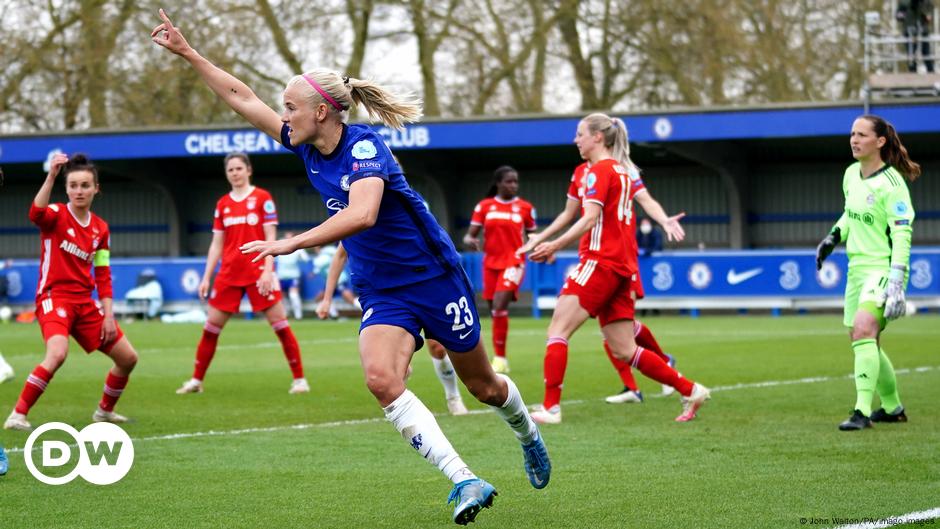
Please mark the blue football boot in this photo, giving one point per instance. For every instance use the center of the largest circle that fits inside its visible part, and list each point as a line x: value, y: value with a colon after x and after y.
x: 470, y: 497
x: 537, y: 465
x: 4, y: 464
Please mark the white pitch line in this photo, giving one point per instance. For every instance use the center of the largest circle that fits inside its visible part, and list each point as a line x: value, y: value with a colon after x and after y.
x: 890, y: 521
x: 373, y: 420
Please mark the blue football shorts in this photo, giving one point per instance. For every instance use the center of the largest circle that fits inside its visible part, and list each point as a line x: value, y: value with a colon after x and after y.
x: 443, y: 306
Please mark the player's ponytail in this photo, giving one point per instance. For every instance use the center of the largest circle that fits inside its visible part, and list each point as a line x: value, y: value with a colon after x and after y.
x: 893, y: 152
x: 80, y: 162
x: 498, y: 176
x: 616, y: 138
x: 342, y: 93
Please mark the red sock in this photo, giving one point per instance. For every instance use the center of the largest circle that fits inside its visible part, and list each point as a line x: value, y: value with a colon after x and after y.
x: 556, y: 360
x: 113, y: 387
x: 623, y: 369
x: 206, y: 349
x: 500, y: 330
x: 290, y: 346
x: 644, y: 338
x: 35, y: 384
x: 657, y: 369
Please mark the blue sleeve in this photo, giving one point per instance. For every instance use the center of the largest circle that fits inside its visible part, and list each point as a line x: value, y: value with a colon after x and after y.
x: 285, y: 140
x: 368, y: 158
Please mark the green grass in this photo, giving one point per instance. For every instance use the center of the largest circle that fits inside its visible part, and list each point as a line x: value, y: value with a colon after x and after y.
x: 757, y: 456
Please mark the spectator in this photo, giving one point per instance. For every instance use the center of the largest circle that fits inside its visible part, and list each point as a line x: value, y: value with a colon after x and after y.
x: 915, y: 17
x: 289, y: 273
x: 648, y: 238
x: 147, y: 296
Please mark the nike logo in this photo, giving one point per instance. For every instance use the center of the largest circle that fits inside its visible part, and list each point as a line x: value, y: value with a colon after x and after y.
x: 462, y: 336
x: 734, y: 277
x: 314, y: 172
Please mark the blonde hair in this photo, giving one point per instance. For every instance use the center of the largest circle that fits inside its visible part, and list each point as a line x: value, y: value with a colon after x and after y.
x: 616, y: 138
x: 391, y: 109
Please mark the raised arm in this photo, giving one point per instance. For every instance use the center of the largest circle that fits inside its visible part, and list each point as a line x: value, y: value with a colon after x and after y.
x: 45, y: 191
x: 235, y: 93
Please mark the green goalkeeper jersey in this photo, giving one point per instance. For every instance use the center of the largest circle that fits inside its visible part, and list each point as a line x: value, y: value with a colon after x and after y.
x: 876, y: 223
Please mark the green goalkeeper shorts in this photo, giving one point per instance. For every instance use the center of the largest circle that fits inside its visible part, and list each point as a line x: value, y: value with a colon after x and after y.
x: 865, y: 290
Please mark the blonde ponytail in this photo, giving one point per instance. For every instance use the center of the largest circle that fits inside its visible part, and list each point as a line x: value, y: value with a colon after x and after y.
x: 342, y: 93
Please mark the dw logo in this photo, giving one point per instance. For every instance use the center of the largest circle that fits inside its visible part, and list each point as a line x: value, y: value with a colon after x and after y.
x: 105, y: 454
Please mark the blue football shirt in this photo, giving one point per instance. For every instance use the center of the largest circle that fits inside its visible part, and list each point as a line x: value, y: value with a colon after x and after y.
x: 406, y: 245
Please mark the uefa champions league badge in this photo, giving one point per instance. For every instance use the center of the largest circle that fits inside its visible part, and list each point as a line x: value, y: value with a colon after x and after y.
x: 900, y: 208
x: 591, y: 179
x: 364, y: 150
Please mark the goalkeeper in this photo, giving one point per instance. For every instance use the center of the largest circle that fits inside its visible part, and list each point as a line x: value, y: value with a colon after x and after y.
x: 876, y: 228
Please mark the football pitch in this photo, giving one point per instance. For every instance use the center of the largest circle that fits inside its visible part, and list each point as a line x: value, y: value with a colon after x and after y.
x: 764, y: 452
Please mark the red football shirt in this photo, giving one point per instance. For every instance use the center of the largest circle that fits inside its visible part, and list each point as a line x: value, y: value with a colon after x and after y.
x: 503, y: 225
x: 242, y: 221
x: 68, y: 252
x: 612, y: 241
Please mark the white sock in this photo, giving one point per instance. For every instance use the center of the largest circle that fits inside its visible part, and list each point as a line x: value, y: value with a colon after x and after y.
x: 418, y: 427
x: 445, y: 373
x: 295, y: 304
x: 514, y: 412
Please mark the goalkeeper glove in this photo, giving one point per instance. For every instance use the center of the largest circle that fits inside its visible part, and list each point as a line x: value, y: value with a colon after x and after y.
x: 826, y: 246
x: 895, y: 306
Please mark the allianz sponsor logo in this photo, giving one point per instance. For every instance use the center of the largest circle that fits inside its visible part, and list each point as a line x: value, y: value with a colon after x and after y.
x: 504, y: 215
x: 867, y: 218
x: 226, y: 142
x: 72, y: 248
x: 417, y: 136
x: 250, y: 219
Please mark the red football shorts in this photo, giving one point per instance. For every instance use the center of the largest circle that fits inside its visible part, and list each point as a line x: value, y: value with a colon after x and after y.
x: 638, y: 286
x: 81, y: 318
x: 605, y: 294
x: 227, y: 298
x: 502, y: 280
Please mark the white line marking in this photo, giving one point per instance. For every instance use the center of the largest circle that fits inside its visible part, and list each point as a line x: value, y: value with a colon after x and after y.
x: 352, y: 422
x: 889, y: 521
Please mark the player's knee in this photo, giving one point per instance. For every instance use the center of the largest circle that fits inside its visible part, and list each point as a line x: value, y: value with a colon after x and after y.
x: 865, y: 328
x: 863, y: 332
x: 129, y: 360
x: 437, y: 350
x: 622, y: 354
x: 381, y: 383
x: 55, y: 357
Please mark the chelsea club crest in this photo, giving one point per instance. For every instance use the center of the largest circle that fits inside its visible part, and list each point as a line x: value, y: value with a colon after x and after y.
x: 344, y: 182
